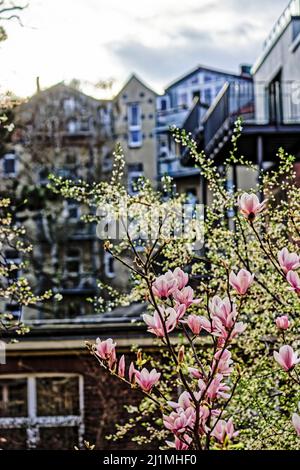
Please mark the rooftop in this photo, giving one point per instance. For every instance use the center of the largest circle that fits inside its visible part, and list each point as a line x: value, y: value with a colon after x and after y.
x: 292, y: 10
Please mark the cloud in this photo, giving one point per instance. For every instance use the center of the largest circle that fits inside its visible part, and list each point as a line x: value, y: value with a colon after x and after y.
x: 163, y: 64
x: 217, y: 34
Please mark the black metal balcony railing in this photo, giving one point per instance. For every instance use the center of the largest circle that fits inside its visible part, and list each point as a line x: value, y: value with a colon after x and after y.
x: 277, y: 103
x: 234, y: 100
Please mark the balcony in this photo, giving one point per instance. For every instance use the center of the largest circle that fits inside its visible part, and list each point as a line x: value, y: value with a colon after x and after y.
x: 270, y: 111
x: 171, y: 117
x: 275, y: 106
x: 172, y: 166
x: 234, y: 100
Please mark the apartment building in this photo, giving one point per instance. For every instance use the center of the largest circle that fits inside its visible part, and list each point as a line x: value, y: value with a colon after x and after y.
x: 62, y: 131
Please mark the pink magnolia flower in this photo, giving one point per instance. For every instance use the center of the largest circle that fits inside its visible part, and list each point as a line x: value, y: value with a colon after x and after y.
x: 106, y: 350
x: 131, y: 372
x: 179, y: 421
x: 184, y: 401
x: 241, y: 281
x: 180, y: 444
x: 239, y: 328
x: 296, y: 423
x: 146, y: 380
x: 195, y: 373
x: 185, y: 296
x: 215, y: 389
x: 250, y: 206
x: 224, y: 428
x: 223, y: 362
x: 180, y: 310
x: 293, y: 279
x: 155, y: 324
x: 223, y: 310
x: 164, y: 285
x: 286, y: 357
x: 282, y: 322
x: 181, y: 277
x: 195, y: 323
x: 121, y: 366
x: 288, y: 261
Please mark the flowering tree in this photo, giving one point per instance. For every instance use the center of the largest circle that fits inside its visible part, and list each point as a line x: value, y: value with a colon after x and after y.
x: 14, y: 289
x: 216, y: 384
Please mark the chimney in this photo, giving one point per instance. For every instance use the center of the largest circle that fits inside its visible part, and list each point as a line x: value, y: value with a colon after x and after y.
x: 245, y: 70
x: 38, y: 88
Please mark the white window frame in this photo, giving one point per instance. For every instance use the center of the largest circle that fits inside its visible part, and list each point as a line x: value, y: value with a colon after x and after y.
x: 32, y: 423
x: 134, y: 127
x: 10, y: 156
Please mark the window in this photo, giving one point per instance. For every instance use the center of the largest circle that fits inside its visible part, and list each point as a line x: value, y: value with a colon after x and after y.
x: 9, y: 165
x: 163, y: 105
x: 72, y: 126
x: 163, y: 150
x: 134, y: 125
x: 134, y: 115
x: 43, y: 176
x: 109, y: 268
x: 41, y: 411
x: 135, y: 138
x: 69, y: 105
x: 207, y: 78
x: 86, y: 125
x: 207, y: 96
x: 73, y: 210
x: 135, y: 172
x: 71, y: 160
x: 73, y: 261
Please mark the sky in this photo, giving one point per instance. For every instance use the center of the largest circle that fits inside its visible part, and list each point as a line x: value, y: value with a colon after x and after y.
x: 159, y: 40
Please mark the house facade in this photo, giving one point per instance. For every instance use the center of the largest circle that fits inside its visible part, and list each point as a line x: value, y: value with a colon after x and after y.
x: 134, y: 112
x: 184, y: 105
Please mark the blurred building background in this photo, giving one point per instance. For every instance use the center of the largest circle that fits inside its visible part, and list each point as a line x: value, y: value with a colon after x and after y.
x: 51, y: 392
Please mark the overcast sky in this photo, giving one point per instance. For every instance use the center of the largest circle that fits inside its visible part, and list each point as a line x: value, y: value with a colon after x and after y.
x: 158, y: 39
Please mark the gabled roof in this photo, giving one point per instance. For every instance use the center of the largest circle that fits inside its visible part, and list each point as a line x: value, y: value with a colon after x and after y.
x: 59, y: 86
x: 133, y: 76
x: 203, y: 68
